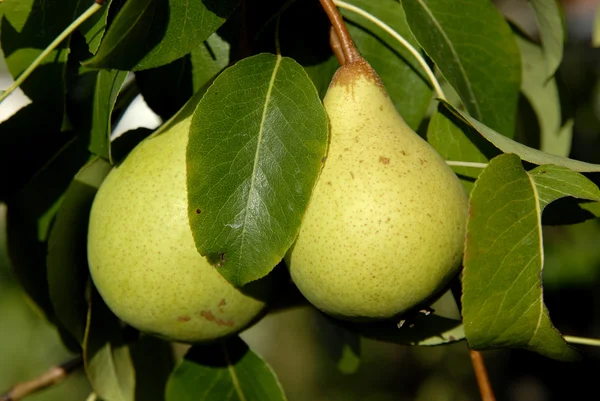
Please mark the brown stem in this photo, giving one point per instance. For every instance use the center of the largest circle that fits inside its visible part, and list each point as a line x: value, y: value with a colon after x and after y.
x: 485, y: 388
x: 348, y: 49
x: 336, y: 46
x: 53, y: 376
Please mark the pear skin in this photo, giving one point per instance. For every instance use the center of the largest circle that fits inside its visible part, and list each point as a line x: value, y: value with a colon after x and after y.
x: 385, y: 227
x: 142, y: 256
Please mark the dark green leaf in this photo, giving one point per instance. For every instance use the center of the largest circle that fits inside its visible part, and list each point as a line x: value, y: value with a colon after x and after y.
x: 526, y: 153
x: 107, y: 358
x: 342, y: 345
x: 457, y: 141
x: 67, y: 268
x: 167, y: 88
x: 542, y: 94
x: 29, y: 217
x: 91, y: 102
x: 255, y: 150
x: 151, y: 33
x: 476, y: 54
x: 502, y: 299
x: 442, y: 326
x: 548, y: 15
x: 223, y: 371
x: 17, y: 135
x: 427, y: 330
x: 154, y: 361
x: 403, y: 77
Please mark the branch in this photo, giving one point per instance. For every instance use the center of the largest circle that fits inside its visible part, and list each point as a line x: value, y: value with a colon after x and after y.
x: 485, y: 388
x: 53, y: 376
x: 57, y: 41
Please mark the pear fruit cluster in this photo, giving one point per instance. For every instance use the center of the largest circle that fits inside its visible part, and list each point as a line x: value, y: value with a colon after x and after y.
x: 142, y: 256
x: 385, y: 227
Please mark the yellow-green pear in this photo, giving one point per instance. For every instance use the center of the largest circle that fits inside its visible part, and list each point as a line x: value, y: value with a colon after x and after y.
x: 142, y: 256
x: 385, y: 226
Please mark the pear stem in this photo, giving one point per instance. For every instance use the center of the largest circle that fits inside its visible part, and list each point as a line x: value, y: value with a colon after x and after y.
x: 434, y: 82
x: 336, y: 46
x: 466, y: 164
x: 74, y: 25
x: 348, y: 48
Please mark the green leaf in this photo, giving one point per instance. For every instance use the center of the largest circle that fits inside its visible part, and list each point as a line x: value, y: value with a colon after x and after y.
x: 548, y: 15
x: 28, y: 27
x: 342, y: 345
x: 151, y: 33
x: 91, y: 105
x: 256, y: 145
x: 403, y: 77
x: 67, y: 268
x: 526, y: 153
x: 106, y: 356
x: 227, y: 370
x: 154, y: 361
x: 502, y: 299
x: 542, y: 94
x: 167, y: 88
x: 476, y: 54
x: 456, y: 140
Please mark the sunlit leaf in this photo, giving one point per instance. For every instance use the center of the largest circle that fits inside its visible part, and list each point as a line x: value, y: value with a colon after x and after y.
x: 503, y: 300
x: 255, y: 150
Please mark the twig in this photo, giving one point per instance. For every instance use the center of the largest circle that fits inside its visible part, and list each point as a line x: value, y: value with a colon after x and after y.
x: 350, y: 52
x: 74, y: 25
x: 434, y: 82
x: 485, y: 388
x: 583, y: 340
x: 53, y: 376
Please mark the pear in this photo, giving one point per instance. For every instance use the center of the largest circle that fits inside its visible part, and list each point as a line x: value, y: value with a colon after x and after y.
x: 385, y: 227
x: 142, y: 256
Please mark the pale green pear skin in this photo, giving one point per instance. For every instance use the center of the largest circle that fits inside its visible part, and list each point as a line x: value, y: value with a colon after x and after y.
x: 385, y: 226
x: 142, y: 255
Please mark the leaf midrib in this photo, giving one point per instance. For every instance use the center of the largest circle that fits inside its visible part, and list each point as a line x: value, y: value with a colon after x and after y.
x: 256, y: 158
